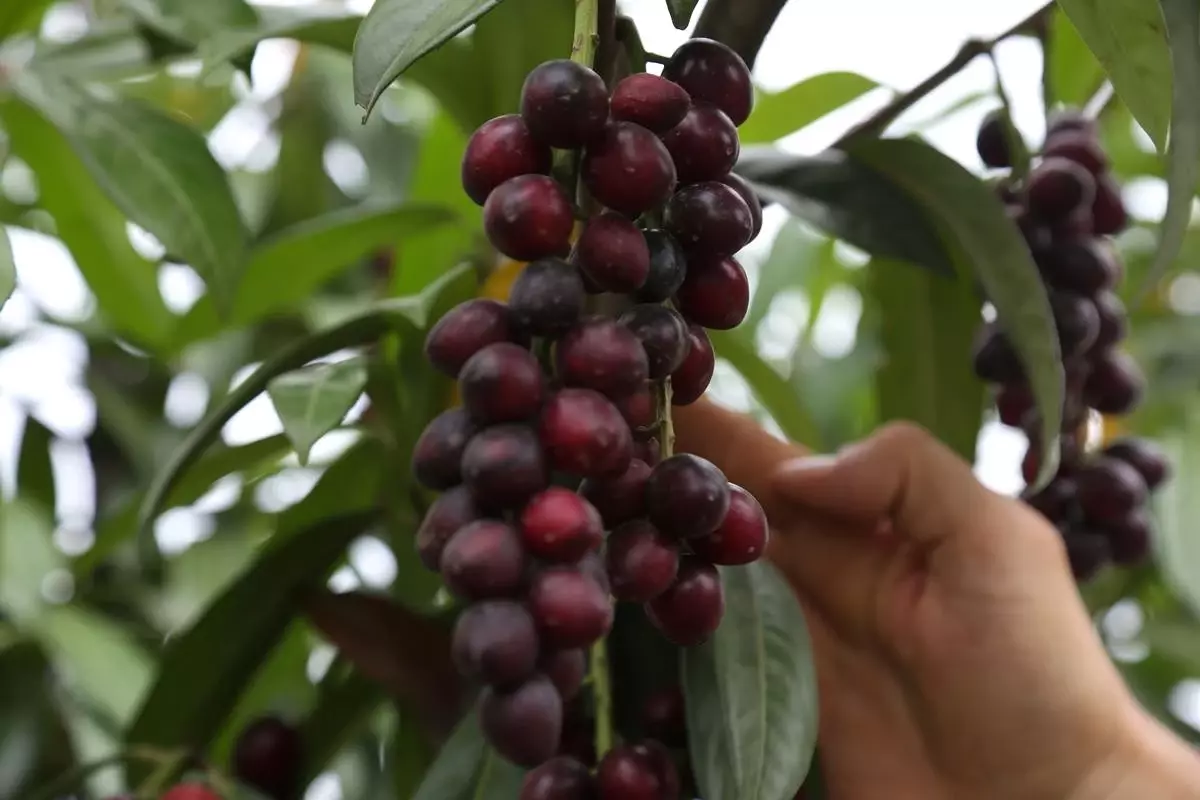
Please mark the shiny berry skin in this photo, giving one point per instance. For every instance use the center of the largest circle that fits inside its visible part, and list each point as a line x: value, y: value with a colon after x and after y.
x: 714, y: 74
x: 561, y: 778
x: 268, y: 757
x: 639, y: 408
x: 1087, y: 551
x: 641, y: 560
x: 1109, y: 489
x: 503, y: 382
x: 465, y: 330
x: 1084, y: 265
x: 190, y: 791
x: 708, y: 219
x: 603, y: 355
x: 523, y: 724
x: 628, y: 170
x: 715, y: 294
x: 566, y: 669
x: 1129, y: 539
x: 627, y: 774
x: 437, y: 455
x: 621, y: 498
x: 1109, y: 216
x: 651, y: 101
x: 704, y: 145
x: 495, y: 641
x: 664, y: 718
x: 1014, y: 402
x: 502, y: 148
x: 1077, y: 321
x: 565, y: 104
x: 485, y: 559
x: 1113, y: 321
x: 559, y: 525
x: 690, y: 611
x: 1144, y: 456
x: 613, y: 253
x: 1059, y: 188
x: 663, y: 335
x: 995, y: 360
x: 570, y: 607
x: 503, y: 466
x: 548, y: 297
x: 1116, y: 383
x: 747, y: 193
x: 741, y: 537
x: 529, y: 217
x: 992, y: 141
x: 687, y: 496
x: 667, y: 269
x: 452, y: 510
x: 691, y: 379
x: 1080, y: 147
x: 583, y: 434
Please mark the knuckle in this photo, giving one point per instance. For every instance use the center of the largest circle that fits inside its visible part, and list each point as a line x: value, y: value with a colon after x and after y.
x: 903, y: 434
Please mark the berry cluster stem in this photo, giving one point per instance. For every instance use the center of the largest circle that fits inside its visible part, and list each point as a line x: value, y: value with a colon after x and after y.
x: 587, y: 32
x: 602, y: 695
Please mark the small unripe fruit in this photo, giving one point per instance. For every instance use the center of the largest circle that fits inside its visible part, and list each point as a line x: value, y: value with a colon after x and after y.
x: 709, y: 219
x: 565, y: 104
x: 495, y: 641
x: 483, y: 560
x: 465, y: 330
x: 529, y: 217
x: 523, y: 724
x: 651, y: 101
x: 741, y: 537
x: 713, y: 73
x: 628, y: 170
x: 687, y: 496
x: 613, y: 253
x: 715, y: 294
x: 558, y: 525
x: 548, y: 297
x: 704, y: 145
x: 691, y: 379
x: 502, y: 383
x: 502, y: 148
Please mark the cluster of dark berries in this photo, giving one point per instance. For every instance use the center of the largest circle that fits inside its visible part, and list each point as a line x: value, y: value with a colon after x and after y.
x: 554, y: 498
x: 1066, y: 209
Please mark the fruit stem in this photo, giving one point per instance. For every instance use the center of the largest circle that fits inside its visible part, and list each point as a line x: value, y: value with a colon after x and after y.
x: 666, y: 443
x: 1018, y: 152
x: 587, y: 32
x: 602, y: 695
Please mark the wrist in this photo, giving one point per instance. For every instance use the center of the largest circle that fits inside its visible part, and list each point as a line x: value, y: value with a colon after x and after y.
x: 1152, y: 762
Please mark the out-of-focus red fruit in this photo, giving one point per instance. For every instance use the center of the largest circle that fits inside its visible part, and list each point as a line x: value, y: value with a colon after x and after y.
x: 1059, y: 188
x: 691, y: 379
x: 1109, y: 216
x: 559, y: 525
x: 642, y: 561
x: 523, y: 724
x: 1144, y: 456
x: 711, y: 72
x: 651, y: 101
x: 437, y: 455
x: 496, y: 642
x: 715, y: 294
x: 484, y: 559
x: 1129, y: 539
x: 1080, y: 147
x: 1110, y: 489
x: 452, y: 510
x: 268, y: 756
x: 583, y: 434
x: 565, y: 104
x: 529, y: 217
x: 502, y: 148
x: 629, y: 170
x: 1113, y: 321
x: 628, y: 772
x: 1014, y: 401
x: 561, y: 778
x: 690, y: 611
x: 741, y: 537
x: 190, y: 791
x: 663, y: 717
x: 648, y: 450
x: 613, y: 253
x: 570, y: 608
x: 1116, y: 383
x: 1087, y: 550
x: 566, y: 669
x: 465, y: 330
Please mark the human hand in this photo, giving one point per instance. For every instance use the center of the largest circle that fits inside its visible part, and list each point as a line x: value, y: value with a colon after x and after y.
x: 954, y: 656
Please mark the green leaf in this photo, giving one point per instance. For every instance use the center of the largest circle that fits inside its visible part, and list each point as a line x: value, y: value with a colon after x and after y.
x: 205, y: 668
x: 190, y: 21
x: 344, y: 704
x: 467, y: 769
x: 983, y: 240
x: 8, y: 268
x: 313, y: 400
x: 409, y: 756
x: 515, y: 38
x: 27, y: 556
x: 752, y: 692
x: 21, y: 16
x: 396, y: 33
x: 1129, y: 38
x: 35, y: 747
x: 927, y: 324
x: 1074, y: 74
x: 1177, y: 505
x: 35, y: 473
x: 155, y: 169
x: 777, y: 114
x: 681, y: 12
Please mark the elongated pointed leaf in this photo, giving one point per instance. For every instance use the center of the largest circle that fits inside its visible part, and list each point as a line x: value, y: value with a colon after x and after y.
x: 681, y: 12
x: 345, y: 700
x: 1074, y: 74
x: 777, y: 114
x: 313, y: 400
x: 752, y: 692
x: 467, y: 769
x: 1177, y: 505
x: 8, y: 268
x: 190, y: 21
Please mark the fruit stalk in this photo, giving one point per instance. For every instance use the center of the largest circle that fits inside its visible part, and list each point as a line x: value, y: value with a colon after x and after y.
x: 587, y: 32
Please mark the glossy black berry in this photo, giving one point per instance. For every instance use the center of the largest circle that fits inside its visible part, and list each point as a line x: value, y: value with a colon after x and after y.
x: 709, y: 219
x: 547, y: 297
x: 992, y: 141
x: 663, y: 335
x: 437, y: 455
x: 687, y: 496
x: 713, y: 73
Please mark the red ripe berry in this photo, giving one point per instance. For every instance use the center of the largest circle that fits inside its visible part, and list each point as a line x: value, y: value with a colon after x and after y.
x: 548, y: 297
x: 190, y: 791
x: 1080, y: 264
x: 1059, y: 188
x: 640, y: 409
x: 565, y: 104
x: 1129, y: 539
x: 663, y: 335
x: 622, y: 498
x: 559, y: 525
x: 1068, y: 119
x: 268, y: 757
x: 583, y: 434
x: 437, y: 455
x: 1077, y: 321
x: 747, y: 193
x: 465, y: 330
x: 741, y: 537
x: 709, y: 219
x: 613, y: 253
x: 529, y: 217
x: 992, y: 141
x: 495, y: 641
x: 687, y: 496
x: 1088, y: 552
x: 1116, y: 383
x: 603, y: 355
x: 502, y: 148
x: 1108, y: 209
x: 1014, y: 401
x: 663, y: 717
x: 668, y: 267
x: 503, y: 466
x: 653, y: 102
x: 704, y: 146
x: 641, y: 560
x: 484, y: 559
x: 570, y: 607
x: 1113, y: 321
x: 1144, y: 456
x: 1109, y: 490
x: 629, y: 170
x: 561, y: 778
x: 523, y: 724
x: 1080, y: 147
x: 637, y: 772
x: 690, y: 611
x: 715, y: 74
x: 566, y: 669
x: 716, y: 293
x: 452, y: 510
x: 691, y: 379
x: 503, y: 382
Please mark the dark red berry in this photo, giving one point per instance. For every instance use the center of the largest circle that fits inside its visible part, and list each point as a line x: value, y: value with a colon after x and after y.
x: 741, y: 537
x: 437, y: 455
x: 715, y: 74
x: 992, y: 141
x: 503, y: 466
x: 570, y: 607
x: 995, y: 359
x: 1113, y: 321
x: 648, y: 451
x: 583, y: 434
x: 1108, y: 209
x: 495, y: 641
x: 663, y: 764
x: 622, y: 498
x: 1077, y: 321
x: 642, y: 561
x: 1059, y: 188
x: 1116, y: 383
x: 1038, y: 235
x: 716, y: 293
x: 1088, y: 552
x: 1083, y: 264
x: 484, y: 559
x: 547, y: 297
x: 566, y: 669
x: 1109, y: 490
x: 450, y: 511
x: 640, y: 409
x: 663, y: 717
x: 691, y: 609
x: 668, y: 267
x: 190, y: 791
x: 561, y: 778
x: 502, y: 148
x: 1080, y: 147
x: 613, y: 253
x: 1068, y: 119
x: 503, y: 382
x: 1129, y: 539
x: 689, y: 382
x: 268, y: 757
x: 559, y: 525
x: 629, y: 170
x: 663, y: 335
x: 1014, y: 402
x: 523, y: 724
x: 603, y: 355
x: 1056, y: 500
x: 1144, y: 456
x: 704, y: 145
x: 687, y: 496
x: 747, y: 193
x: 529, y: 217
x: 651, y: 101
x: 709, y: 219
x: 626, y: 774
x: 465, y: 330
x: 565, y: 104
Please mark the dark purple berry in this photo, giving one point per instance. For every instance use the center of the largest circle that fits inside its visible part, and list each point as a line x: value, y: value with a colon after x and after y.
x: 613, y: 253
x: 559, y: 525
x: 690, y: 611
x: 629, y: 170
x: 485, y: 559
x: 747, y: 193
x: 691, y: 379
x: 715, y: 74
x: 1129, y: 539
x: 502, y: 148
x: 583, y: 434
x: 495, y: 641
x: 465, y: 330
x: 1068, y: 119
x: 663, y: 717
x: 529, y: 217
x: 1059, y: 188
x: 561, y: 778
x: 709, y: 219
x: 992, y: 141
x: 741, y: 538
x: 1116, y: 383
x: 437, y: 455
x: 1144, y: 456
x: 1080, y: 147
x: 1109, y: 216
x: 715, y: 294
x: 1088, y: 552
x: 1014, y: 402
x: 1113, y: 321
x: 566, y: 669
x: 1109, y: 490
x: 663, y: 335
x: 523, y: 724
x: 1083, y: 265
x: 1077, y: 321
x: 668, y: 267
x: 1055, y: 501
x: 622, y: 498
x: 452, y: 510
x: 547, y: 297
x: 268, y: 756
x: 704, y: 145
x: 503, y: 466
x: 570, y: 607
x: 995, y: 359
x: 565, y: 104
x: 642, y: 561
x: 603, y: 355
x: 687, y: 496
x: 503, y: 382
x: 651, y: 101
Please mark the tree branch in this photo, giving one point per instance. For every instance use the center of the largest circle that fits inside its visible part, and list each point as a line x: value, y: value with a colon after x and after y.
x: 741, y: 24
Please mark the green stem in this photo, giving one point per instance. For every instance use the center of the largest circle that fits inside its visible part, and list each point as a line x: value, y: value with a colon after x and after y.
x: 587, y: 32
x: 602, y: 694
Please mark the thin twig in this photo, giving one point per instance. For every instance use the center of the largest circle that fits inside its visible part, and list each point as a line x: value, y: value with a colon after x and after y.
x: 741, y: 24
